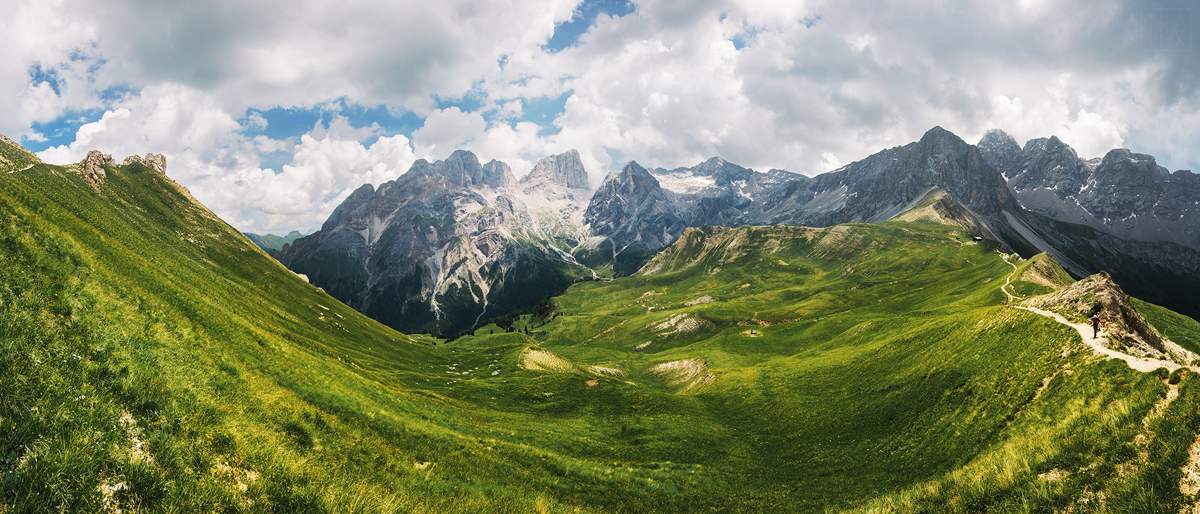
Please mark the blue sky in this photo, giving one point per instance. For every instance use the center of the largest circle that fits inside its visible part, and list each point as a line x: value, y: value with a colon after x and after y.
x: 271, y: 112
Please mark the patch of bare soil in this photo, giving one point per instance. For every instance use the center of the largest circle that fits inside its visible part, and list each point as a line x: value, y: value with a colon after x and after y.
x: 689, y: 373
x: 680, y: 324
x: 541, y: 360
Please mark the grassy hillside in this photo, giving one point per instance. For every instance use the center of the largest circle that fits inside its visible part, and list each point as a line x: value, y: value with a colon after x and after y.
x: 272, y: 241
x: 864, y: 367
x: 152, y: 358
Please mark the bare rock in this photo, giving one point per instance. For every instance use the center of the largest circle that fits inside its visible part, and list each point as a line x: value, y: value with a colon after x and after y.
x: 1099, y: 295
x: 154, y: 161
x: 93, y: 166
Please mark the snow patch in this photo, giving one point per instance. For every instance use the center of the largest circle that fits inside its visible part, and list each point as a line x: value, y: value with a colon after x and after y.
x: 684, y: 183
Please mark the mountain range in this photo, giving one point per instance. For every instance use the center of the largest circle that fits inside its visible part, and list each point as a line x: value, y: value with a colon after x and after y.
x: 451, y: 243
x: 153, y: 359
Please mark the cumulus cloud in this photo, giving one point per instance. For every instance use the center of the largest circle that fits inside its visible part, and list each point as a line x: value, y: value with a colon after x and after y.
x: 328, y: 165
x: 207, y: 152
x: 803, y: 85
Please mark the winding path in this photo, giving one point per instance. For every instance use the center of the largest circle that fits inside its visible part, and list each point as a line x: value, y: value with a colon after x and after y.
x: 1097, y: 343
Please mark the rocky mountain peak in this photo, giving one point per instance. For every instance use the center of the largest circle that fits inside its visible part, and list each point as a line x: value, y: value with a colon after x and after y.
x: 1134, y: 164
x: 634, y: 178
x: 499, y: 174
x: 939, y: 135
x: 997, y: 138
x: 463, y: 168
x: 631, y: 207
x: 1000, y: 150
x: 712, y: 165
x: 1051, y: 145
x: 353, y: 207
x: 724, y: 172
x: 942, y: 159
x: 564, y: 169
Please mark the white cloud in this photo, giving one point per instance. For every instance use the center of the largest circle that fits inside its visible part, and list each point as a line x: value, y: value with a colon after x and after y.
x: 817, y: 84
x: 446, y: 130
x: 324, y: 170
x: 33, y: 33
x: 207, y: 153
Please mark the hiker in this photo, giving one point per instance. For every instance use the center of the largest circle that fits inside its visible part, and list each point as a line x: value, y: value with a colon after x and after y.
x: 1095, y: 319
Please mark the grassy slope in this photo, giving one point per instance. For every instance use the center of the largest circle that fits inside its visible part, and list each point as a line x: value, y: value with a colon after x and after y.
x: 136, y: 301
x: 884, y: 367
x: 272, y: 241
x: 1174, y: 326
x: 144, y: 342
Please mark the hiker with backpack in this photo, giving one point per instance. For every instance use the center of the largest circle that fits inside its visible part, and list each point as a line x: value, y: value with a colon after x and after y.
x: 1095, y: 319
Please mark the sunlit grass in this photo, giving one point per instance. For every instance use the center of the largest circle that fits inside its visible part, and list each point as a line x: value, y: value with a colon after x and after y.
x: 152, y: 358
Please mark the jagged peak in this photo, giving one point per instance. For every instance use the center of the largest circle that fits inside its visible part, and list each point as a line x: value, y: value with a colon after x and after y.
x: 565, y: 169
x: 939, y: 137
x: 995, y: 132
x: 463, y: 155
x: 1121, y: 154
x: 1048, y: 144
x: 633, y: 177
x: 939, y: 133
x: 632, y: 167
x: 998, y: 138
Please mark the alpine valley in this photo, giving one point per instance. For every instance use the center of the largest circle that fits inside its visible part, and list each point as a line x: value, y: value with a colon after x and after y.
x: 885, y: 341
x: 452, y: 243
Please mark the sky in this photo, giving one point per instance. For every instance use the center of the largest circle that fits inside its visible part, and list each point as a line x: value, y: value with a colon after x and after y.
x: 271, y: 112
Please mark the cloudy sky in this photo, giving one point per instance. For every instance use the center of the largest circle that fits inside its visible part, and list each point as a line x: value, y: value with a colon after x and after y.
x: 272, y: 111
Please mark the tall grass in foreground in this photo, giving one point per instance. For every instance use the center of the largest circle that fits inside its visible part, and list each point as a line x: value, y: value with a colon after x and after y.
x: 152, y: 359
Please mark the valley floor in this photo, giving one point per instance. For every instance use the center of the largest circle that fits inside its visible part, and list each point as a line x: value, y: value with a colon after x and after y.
x: 152, y: 359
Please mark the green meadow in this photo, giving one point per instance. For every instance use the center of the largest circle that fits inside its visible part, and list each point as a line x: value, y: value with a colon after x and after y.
x: 154, y: 359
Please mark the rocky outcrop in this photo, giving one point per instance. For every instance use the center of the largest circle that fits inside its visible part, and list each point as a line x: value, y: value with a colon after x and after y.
x: 154, y: 161
x: 93, y: 166
x: 1098, y: 295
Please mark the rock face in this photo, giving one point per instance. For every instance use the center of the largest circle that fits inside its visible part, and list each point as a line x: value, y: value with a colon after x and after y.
x: 887, y: 183
x: 1099, y: 295
x: 1124, y: 193
x: 453, y: 242
x: 446, y: 244
x: 633, y: 211
x: 154, y: 161
x: 565, y: 169
x: 93, y: 166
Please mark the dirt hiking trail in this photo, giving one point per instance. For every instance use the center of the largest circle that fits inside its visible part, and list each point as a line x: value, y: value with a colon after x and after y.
x: 1142, y: 364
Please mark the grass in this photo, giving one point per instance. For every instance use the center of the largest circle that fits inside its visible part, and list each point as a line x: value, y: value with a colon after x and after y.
x: 152, y: 358
x: 1181, y: 329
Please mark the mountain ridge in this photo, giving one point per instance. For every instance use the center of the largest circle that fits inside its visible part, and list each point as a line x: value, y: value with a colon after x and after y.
x: 155, y: 359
